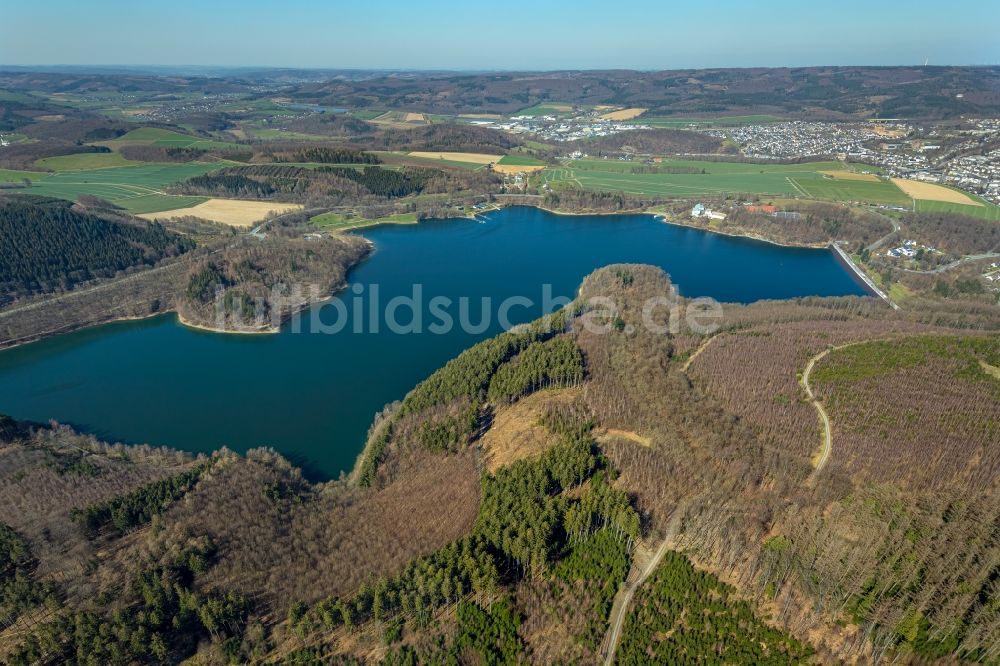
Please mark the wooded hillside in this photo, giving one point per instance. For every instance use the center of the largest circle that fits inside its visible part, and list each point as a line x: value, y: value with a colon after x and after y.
x: 499, y: 507
x: 49, y: 245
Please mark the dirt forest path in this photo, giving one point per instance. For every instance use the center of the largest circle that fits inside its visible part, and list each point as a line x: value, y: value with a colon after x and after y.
x: 644, y: 563
x: 827, y: 444
x: 700, y: 349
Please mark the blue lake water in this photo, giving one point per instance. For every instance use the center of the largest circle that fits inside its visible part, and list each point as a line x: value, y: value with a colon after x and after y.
x: 312, y: 396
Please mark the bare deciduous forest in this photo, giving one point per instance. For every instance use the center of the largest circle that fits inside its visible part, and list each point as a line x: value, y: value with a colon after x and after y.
x: 506, y: 495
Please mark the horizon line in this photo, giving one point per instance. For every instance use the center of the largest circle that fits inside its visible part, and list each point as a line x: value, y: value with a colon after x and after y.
x: 322, y: 68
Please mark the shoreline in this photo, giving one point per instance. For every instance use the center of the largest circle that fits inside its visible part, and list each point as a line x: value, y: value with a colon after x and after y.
x: 73, y: 328
x: 848, y: 263
x: 663, y: 218
x: 748, y: 236
x: 372, y: 248
x: 270, y: 330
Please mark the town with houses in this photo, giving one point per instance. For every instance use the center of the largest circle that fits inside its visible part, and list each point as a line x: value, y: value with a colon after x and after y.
x: 967, y: 157
x: 552, y: 128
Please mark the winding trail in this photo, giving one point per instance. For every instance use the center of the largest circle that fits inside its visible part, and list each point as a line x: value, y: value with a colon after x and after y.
x: 827, y: 445
x: 636, y: 577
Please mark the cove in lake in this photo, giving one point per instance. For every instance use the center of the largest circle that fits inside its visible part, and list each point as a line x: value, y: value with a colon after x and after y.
x: 313, y: 396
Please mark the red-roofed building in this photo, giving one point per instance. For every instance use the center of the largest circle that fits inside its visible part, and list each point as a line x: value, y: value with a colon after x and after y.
x: 763, y: 208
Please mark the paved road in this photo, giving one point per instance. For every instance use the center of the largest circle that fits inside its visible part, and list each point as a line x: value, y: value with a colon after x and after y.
x: 885, y: 239
x: 954, y: 264
x: 619, y: 609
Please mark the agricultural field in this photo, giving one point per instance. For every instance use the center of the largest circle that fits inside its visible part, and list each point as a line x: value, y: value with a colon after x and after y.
x: 623, y: 114
x: 851, y: 175
x: 423, y: 158
x: 401, y: 119
x: 838, y: 189
x: 14, y: 176
x: 164, y: 138
x: 546, y: 109
x: 984, y: 211
x: 933, y: 192
x: 716, y: 178
x: 84, y: 161
x: 518, y: 164
x: 520, y: 160
x: 232, y: 212
x: 366, y: 114
x: 136, y: 188
x: 475, y: 158
x: 269, y: 133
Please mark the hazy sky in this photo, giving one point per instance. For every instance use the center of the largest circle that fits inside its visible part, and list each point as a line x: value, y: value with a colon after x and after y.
x: 514, y: 34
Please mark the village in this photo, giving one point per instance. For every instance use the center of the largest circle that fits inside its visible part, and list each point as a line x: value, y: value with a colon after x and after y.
x: 551, y: 128
x: 968, y: 158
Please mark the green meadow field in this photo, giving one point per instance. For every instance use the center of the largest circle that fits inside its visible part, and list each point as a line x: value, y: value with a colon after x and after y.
x: 716, y: 178
x: 520, y: 160
x: 84, y: 161
x: 881, y: 192
x: 13, y: 176
x: 341, y: 222
x: 987, y: 211
x: 164, y: 138
x: 398, y: 158
x: 136, y: 188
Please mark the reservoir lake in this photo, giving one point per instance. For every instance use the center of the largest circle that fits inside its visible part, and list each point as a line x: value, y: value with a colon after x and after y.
x: 312, y: 395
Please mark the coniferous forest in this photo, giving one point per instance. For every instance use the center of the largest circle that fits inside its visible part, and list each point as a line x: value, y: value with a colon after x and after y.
x: 49, y: 244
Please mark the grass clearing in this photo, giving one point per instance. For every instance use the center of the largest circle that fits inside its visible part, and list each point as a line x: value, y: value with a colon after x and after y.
x: 234, y: 212
x: 917, y: 189
x: 343, y: 222
x: 515, y: 433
